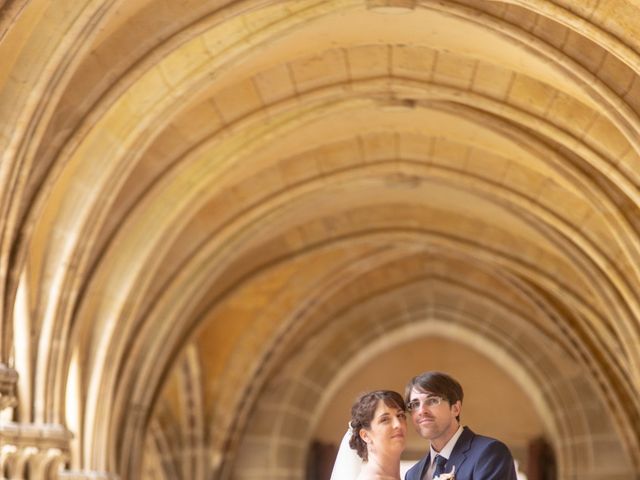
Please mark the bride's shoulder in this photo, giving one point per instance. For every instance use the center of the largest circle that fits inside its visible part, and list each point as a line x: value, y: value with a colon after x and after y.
x: 374, y: 476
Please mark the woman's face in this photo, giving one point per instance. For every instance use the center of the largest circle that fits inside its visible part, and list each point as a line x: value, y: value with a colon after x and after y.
x: 388, y: 430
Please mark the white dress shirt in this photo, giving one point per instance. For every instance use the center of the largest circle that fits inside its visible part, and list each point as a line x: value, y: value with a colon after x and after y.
x: 445, y: 452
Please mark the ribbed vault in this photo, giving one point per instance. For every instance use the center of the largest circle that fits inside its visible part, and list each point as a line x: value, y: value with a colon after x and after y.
x: 211, y: 210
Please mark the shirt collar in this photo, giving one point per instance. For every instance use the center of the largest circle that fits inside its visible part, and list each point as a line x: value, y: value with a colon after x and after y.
x: 448, y: 448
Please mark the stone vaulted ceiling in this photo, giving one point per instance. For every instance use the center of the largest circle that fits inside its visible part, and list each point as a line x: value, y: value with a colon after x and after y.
x: 208, y: 203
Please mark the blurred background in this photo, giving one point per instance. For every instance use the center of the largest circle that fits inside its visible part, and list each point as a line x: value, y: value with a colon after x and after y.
x: 222, y: 220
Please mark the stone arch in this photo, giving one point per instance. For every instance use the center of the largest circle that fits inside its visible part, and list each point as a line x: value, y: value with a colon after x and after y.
x: 193, y: 106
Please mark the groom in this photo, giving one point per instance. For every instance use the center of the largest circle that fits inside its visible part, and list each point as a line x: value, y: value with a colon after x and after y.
x: 434, y: 400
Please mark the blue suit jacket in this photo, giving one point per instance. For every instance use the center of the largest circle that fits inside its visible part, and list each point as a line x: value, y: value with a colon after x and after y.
x: 475, y: 457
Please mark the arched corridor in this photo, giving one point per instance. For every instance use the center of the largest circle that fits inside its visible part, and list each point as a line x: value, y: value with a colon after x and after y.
x: 216, y: 215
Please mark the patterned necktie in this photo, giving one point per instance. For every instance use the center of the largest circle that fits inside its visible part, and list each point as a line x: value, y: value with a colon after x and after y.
x: 439, y: 462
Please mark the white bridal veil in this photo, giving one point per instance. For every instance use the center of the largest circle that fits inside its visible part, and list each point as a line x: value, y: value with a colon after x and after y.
x: 348, y: 463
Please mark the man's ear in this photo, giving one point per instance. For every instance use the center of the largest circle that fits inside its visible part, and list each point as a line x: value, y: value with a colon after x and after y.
x: 456, y: 408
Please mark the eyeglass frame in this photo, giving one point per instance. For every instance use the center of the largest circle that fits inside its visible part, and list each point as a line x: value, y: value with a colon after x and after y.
x: 430, y: 402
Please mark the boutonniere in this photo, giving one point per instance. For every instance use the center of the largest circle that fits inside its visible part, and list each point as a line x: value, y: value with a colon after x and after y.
x: 447, y: 476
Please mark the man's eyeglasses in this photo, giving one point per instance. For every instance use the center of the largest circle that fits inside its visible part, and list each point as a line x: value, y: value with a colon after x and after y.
x: 428, y: 402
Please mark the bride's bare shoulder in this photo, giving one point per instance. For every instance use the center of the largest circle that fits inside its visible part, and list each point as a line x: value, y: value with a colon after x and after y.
x: 375, y: 476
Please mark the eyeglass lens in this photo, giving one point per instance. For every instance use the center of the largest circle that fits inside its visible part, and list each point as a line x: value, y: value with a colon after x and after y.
x: 429, y: 402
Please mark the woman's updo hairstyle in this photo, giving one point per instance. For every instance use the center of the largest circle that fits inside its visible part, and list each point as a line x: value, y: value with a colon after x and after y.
x: 362, y: 413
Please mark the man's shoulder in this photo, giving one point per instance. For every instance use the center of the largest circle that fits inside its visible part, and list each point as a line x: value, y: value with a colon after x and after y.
x: 477, y: 441
x: 483, y: 442
x: 491, y: 458
x: 414, y: 472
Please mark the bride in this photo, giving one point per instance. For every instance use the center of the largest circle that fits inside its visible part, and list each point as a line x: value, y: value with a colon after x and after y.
x: 377, y: 433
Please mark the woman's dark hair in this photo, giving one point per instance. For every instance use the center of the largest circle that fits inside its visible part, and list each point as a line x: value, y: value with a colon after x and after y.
x: 436, y: 383
x: 362, y: 413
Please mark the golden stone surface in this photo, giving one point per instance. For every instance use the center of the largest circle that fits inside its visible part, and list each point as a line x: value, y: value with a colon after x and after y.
x: 219, y: 219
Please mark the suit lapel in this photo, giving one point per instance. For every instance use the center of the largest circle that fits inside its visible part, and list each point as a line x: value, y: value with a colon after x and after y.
x: 424, y: 465
x: 459, y: 453
x: 419, y: 469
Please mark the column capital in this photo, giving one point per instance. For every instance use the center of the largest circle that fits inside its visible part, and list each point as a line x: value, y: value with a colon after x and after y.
x: 86, y: 475
x: 37, y: 462
x: 40, y: 436
x: 8, y: 382
x: 43, y: 449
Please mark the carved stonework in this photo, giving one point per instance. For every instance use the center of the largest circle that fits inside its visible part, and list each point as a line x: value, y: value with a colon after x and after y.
x: 391, y: 6
x: 39, y: 452
x: 33, y: 451
x: 87, y: 476
x: 8, y: 381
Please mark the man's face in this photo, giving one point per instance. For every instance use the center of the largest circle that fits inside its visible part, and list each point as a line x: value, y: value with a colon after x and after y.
x: 433, y: 417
